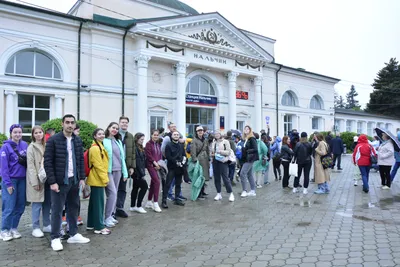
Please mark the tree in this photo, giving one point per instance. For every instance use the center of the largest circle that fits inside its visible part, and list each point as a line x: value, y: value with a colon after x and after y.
x: 351, y: 102
x: 385, y: 98
x: 339, y: 102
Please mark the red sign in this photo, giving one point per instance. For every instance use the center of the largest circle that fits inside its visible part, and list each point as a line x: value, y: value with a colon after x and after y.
x: 242, y: 95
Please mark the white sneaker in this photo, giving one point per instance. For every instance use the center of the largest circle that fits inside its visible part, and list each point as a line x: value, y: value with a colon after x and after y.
x: 47, y: 229
x: 56, y: 244
x: 79, y: 239
x: 15, y: 233
x: 109, y: 222
x: 140, y: 210
x: 295, y: 190
x: 305, y: 191
x: 114, y: 220
x: 385, y: 187
x: 6, y: 235
x: 132, y: 209
x: 37, y: 233
x: 149, y: 205
x: 259, y: 186
x: 244, y: 194
x: 252, y: 193
x: 355, y: 183
x: 156, y: 207
x: 218, y: 197
x: 231, y: 197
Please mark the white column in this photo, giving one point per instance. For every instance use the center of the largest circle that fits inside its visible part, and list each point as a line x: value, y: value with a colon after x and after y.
x: 231, y: 101
x: 59, y: 106
x: 9, y: 109
x: 257, y: 104
x: 141, y: 118
x: 180, y: 107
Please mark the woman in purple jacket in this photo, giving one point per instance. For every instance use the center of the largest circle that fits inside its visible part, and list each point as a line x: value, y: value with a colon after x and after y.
x: 13, y: 194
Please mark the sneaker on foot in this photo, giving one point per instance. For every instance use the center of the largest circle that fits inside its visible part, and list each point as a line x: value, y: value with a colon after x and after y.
x: 218, y: 197
x: 115, y: 221
x: 305, y: 191
x: 140, y: 210
x: 109, y: 222
x: 252, y: 193
x: 295, y: 190
x: 78, y: 239
x: 385, y: 187
x: 6, y: 235
x: 355, y: 183
x: 88, y: 228
x: 259, y: 186
x: 80, y: 222
x: 56, y: 244
x: 156, y: 207
x: 319, y: 191
x: 47, y: 229
x: 121, y: 213
x: 149, y: 205
x: 104, y: 231
x: 231, y: 197
x: 244, y: 194
x: 37, y: 233
x: 15, y: 233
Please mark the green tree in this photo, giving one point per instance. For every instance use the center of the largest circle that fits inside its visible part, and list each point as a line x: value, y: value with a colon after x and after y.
x: 385, y: 98
x: 3, y: 138
x: 339, y: 102
x: 351, y: 102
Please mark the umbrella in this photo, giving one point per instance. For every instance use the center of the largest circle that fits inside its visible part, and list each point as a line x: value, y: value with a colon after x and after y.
x: 236, y: 132
x: 396, y: 143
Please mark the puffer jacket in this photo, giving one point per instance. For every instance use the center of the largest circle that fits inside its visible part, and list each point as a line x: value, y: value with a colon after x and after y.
x: 276, y: 146
x: 98, y: 160
x: 386, y: 153
x: 250, y: 150
x: 362, y: 152
x: 130, y: 151
x: 56, y: 159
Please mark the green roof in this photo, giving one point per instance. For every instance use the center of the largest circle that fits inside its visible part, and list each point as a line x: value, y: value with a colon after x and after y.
x: 114, y: 22
x: 175, y: 4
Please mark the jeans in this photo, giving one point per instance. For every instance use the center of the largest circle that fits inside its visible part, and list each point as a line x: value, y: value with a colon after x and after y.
x: 339, y: 159
x: 121, y: 195
x: 277, y: 169
x: 138, y: 184
x: 70, y: 193
x: 173, y: 174
x: 324, y: 187
x: 221, y: 171
x: 266, y: 175
x: 13, y: 206
x: 246, y: 173
x: 365, y: 176
x: 286, y: 176
x: 307, y: 168
x: 394, y: 170
x: 232, y: 168
x: 43, y: 207
x: 384, y: 171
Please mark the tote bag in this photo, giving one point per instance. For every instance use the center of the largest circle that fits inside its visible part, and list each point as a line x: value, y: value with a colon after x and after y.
x: 293, y: 168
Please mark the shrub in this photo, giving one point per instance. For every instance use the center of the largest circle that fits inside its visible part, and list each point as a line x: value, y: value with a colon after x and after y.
x: 3, y: 138
x: 86, y: 130
x: 347, y: 138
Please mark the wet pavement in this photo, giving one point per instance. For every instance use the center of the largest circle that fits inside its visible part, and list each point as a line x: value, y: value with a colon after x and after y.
x: 277, y: 228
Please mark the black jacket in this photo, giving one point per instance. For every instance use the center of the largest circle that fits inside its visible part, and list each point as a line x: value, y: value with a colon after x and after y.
x: 56, y: 158
x: 286, y: 152
x: 174, y: 153
x: 337, y: 146
x: 303, y: 152
x: 140, y: 170
x: 328, y: 140
x: 250, y: 151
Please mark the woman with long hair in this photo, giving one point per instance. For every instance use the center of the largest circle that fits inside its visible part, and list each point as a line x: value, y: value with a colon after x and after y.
x: 249, y: 156
x: 321, y: 175
x: 116, y: 169
x: 286, y: 156
x: 98, y: 180
x: 139, y: 182
x: 153, y: 156
x: 13, y: 186
x: 37, y: 191
x: 302, y: 153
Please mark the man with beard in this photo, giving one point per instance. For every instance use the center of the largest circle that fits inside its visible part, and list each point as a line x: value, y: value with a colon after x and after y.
x: 176, y: 160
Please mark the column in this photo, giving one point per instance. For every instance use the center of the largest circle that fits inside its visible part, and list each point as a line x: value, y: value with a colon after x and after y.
x: 257, y: 104
x: 231, y: 101
x: 180, y: 107
x: 9, y: 109
x: 59, y: 106
x: 141, y: 118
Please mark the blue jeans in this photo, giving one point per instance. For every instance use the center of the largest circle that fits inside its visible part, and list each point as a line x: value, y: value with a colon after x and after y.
x: 232, y: 168
x: 13, y: 205
x: 266, y: 174
x: 324, y: 187
x: 365, y: 176
x: 172, y: 187
x: 45, y: 206
x: 394, y: 170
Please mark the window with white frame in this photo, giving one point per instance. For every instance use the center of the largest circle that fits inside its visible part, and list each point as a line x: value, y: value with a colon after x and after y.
x: 32, y: 63
x: 348, y: 126
x: 316, y: 102
x: 289, y: 99
x: 359, y: 127
x: 240, y: 125
x: 198, y: 85
x: 315, y: 123
x: 32, y: 110
x: 199, y: 116
x: 156, y: 122
x: 287, y: 123
x: 370, y: 130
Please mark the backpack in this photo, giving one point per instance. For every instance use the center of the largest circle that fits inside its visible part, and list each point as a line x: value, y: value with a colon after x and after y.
x: 88, y: 168
x: 238, y: 151
x: 188, y: 147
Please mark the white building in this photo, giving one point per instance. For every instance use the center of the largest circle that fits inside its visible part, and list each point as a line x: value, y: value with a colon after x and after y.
x: 154, y: 61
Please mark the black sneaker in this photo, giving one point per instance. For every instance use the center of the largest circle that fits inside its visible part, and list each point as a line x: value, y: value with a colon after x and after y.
x: 164, y: 205
x: 179, y: 202
x: 121, y: 213
x: 182, y: 198
x: 201, y: 197
x: 339, y: 169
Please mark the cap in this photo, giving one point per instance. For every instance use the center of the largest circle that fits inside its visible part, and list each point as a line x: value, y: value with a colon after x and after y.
x: 198, y: 128
x: 303, y: 134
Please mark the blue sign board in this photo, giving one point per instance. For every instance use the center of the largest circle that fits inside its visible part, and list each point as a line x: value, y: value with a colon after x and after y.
x: 201, y: 100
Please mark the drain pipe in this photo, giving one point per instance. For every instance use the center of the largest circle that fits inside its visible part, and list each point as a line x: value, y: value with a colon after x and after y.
x: 277, y: 99
x: 123, y: 72
x: 78, y: 112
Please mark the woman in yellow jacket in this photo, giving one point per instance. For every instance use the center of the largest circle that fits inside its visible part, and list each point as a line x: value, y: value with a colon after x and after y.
x: 98, y: 180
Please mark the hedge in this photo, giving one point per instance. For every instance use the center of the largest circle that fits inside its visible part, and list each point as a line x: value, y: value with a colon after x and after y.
x: 3, y: 138
x: 347, y: 138
x: 86, y: 130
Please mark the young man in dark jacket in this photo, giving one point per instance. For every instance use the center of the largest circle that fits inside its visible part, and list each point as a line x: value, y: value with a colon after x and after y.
x: 176, y: 160
x: 337, y: 150
x: 63, y: 163
x: 130, y: 160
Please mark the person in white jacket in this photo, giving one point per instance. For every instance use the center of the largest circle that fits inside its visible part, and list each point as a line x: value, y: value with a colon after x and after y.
x: 386, y: 160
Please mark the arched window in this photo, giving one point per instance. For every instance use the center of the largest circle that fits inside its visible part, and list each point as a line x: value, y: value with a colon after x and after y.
x: 32, y: 63
x: 200, y: 86
x: 316, y: 102
x: 289, y: 99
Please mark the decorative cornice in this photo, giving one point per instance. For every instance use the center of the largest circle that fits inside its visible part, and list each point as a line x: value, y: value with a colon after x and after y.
x: 247, y: 65
x: 10, y: 92
x: 142, y: 61
x: 59, y: 96
x: 211, y: 37
x: 181, y: 67
x: 232, y: 76
x: 258, y: 80
x: 165, y: 47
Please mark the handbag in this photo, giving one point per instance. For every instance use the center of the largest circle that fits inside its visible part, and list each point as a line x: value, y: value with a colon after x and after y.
x: 293, y: 168
x: 42, y: 173
x: 327, y: 160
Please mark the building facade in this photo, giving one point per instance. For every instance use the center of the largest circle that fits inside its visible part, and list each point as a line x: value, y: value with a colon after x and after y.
x: 153, y: 61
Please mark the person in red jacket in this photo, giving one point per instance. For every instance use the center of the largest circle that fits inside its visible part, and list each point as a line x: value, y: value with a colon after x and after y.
x: 362, y: 158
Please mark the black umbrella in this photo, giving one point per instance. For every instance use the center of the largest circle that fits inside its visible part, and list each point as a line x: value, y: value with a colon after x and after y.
x: 396, y: 143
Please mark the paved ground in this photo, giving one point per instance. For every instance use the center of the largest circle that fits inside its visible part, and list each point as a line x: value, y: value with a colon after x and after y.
x: 277, y: 228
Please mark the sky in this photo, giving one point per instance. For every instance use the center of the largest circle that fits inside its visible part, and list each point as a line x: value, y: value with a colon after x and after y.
x: 348, y: 40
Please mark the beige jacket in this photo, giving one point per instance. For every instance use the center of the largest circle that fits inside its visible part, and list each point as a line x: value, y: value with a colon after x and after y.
x: 35, y: 154
x: 321, y: 175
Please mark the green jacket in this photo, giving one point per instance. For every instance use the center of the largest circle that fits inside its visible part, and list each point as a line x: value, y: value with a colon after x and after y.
x: 108, y: 147
x: 262, y: 151
x: 130, y: 151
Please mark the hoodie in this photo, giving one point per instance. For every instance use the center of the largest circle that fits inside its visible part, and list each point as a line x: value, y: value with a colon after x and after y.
x: 276, y: 146
x: 10, y: 168
x: 396, y: 153
x: 362, y: 152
